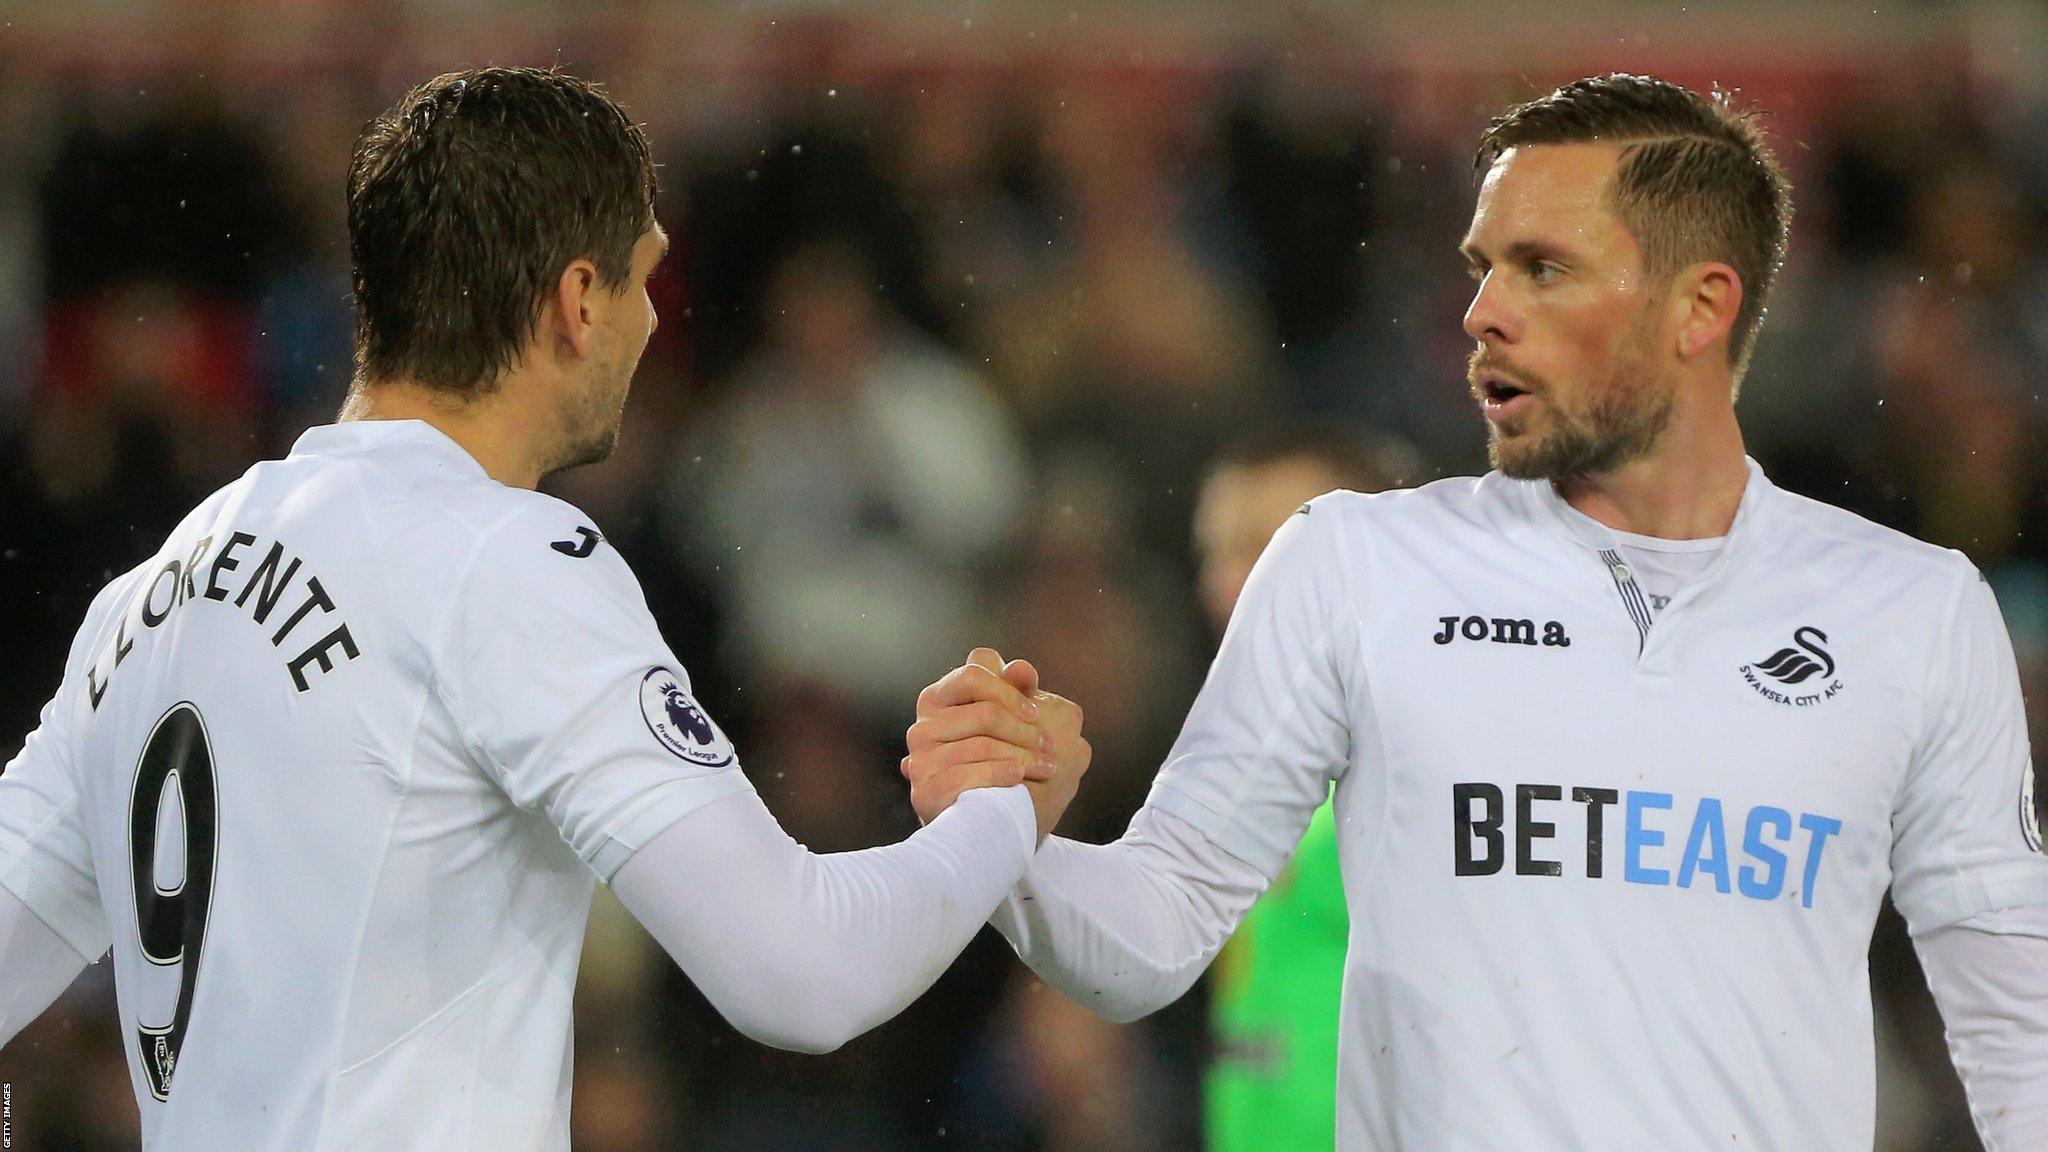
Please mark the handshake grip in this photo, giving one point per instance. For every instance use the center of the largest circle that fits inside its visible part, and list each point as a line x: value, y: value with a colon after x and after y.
x: 987, y: 724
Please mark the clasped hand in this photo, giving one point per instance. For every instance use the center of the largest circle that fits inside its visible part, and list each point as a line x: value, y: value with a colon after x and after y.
x: 987, y: 724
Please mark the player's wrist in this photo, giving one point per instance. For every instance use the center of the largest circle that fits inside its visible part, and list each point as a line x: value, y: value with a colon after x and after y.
x: 1012, y: 804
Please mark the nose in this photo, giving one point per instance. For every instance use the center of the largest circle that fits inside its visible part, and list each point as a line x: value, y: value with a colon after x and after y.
x: 1489, y: 319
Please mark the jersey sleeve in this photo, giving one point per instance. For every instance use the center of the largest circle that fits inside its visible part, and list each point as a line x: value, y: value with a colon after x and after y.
x: 1965, y: 838
x: 1271, y: 728
x: 45, y: 855
x: 569, y: 698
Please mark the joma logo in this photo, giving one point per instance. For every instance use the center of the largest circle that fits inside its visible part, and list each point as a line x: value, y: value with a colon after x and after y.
x: 1501, y: 630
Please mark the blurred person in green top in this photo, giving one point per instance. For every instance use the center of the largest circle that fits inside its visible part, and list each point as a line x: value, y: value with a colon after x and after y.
x: 1272, y: 1085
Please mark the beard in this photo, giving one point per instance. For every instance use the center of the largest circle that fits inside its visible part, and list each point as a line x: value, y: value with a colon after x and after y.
x: 591, y: 418
x: 1620, y: 421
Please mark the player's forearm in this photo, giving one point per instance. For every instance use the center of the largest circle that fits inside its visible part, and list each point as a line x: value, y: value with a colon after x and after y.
x: 1125, y: 929
x: 36, y: 965
x: 806, y: 951
x: 1989, y: 976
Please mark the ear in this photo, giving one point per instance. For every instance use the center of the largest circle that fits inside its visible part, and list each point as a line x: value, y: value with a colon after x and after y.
x: 570, y: 319
x: 1706, y: 298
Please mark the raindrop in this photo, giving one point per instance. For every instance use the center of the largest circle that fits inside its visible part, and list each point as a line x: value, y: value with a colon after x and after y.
x: 796, y: 149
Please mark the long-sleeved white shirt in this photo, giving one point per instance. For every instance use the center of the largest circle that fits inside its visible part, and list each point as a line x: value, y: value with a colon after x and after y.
x: 796, y: 949
x: 335, y: 774
x: 1611, y: 878
x: 1127, y: 928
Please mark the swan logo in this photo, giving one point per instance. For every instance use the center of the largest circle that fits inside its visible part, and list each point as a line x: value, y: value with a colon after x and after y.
x: 1804, y: 667
x: 677, y: 721
x: 1804, y: 661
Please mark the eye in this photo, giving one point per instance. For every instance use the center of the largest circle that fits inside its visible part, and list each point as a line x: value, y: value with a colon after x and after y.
x: 1543, y: 271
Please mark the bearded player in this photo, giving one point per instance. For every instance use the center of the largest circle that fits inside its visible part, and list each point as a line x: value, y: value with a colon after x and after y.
x: 335, y: 772
x: 1628, y: 744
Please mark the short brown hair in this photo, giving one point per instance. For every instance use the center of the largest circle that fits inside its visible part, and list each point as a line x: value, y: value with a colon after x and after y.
x: 1696, y: 180
x: 465, y: 202
x: 1358, y: 463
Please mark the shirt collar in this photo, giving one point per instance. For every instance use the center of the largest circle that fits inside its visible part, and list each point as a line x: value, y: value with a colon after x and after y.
x: 353, y: 436
x: 1757, y: 494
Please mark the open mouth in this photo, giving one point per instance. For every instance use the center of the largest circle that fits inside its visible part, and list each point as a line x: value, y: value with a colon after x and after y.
x: 1500, y: 398
x: 1499, y: 391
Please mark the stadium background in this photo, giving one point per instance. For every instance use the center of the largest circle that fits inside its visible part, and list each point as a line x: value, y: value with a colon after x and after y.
x: 962, y: 297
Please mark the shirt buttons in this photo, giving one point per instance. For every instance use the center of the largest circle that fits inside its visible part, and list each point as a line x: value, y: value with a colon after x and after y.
x: 1623, y: 572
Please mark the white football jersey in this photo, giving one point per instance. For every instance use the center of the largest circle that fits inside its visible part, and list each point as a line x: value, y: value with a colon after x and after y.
x: 334, y: 774
x: 1612, y: 877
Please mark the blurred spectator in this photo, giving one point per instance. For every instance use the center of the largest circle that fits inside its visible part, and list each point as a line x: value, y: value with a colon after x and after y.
x: 1078, y: 1082
x: 166, y: 183
x: 306, y: 342
x: 965, y: 158
x: 1962, y: 437
x: 622, y: 1103
x: 808, y: 178
x: 1136, y: 341
x: 1255, y: 484
x: 856, y: 479
x: 24, y: 144
x: 1107, y: 623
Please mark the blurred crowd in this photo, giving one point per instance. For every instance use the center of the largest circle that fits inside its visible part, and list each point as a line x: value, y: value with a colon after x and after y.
x: 947, y: 341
